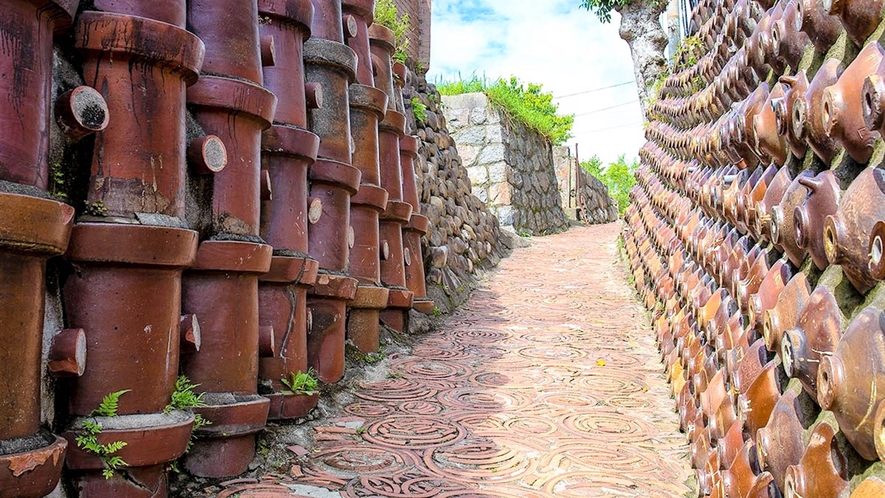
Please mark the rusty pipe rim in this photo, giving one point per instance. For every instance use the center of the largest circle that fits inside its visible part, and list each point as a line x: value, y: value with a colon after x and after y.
x: 777, y: 34
x: 777, y: 220
x: 791, y: 480
x: 829, y: 379
x: 769, y: 325
x: 763, y: 442
x: 798, y: 118
x: 791, y: 340
x: 800, y: 221
x: 781, y: 115
x: 831, y: 240
x: 873, y: 95
x: 879, y: 430
x: 877, y: 248
x: 828, y: 114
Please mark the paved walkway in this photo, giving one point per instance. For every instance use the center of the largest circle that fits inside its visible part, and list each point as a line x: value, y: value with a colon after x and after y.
x: 547, y: 383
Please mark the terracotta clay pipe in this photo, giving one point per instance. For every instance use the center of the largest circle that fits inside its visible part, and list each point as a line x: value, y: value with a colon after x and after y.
x: 288, y: 151
x: 842, y: 109
x: 779, y: 443
x: 785, y: 313
x: 783, y: 235
x: 789, y: 42
x: 816, y: 334
x: 860, y: 18
x: 783, y: 109
x: 850, y: 380
x: 822, y: 471
x: 768, y: 292
x: 822, y: 28
x: 773, y: 196
x: 808, y: 121
x: 847, y: 232
x: 823, y: 199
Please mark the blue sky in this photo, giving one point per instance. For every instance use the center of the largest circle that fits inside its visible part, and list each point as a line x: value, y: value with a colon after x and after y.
x: 556, y: 44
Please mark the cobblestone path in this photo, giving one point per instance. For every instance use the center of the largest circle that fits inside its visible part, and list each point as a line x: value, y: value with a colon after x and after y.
x: 548, y: 383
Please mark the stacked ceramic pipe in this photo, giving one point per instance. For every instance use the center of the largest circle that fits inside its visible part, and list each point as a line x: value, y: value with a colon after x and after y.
x: 222, y: 286
x: 762, y: 270
x: 131, y: 243
x: 33, y: 228
x: 288, y: 150
x: 331, y: 65
x: 398, y: 213
x: 368, y: 105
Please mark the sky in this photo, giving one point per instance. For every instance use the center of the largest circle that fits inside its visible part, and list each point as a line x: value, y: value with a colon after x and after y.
x: 556, y: 44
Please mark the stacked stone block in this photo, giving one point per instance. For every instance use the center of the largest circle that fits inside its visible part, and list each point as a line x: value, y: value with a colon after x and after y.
x: 510, y: 166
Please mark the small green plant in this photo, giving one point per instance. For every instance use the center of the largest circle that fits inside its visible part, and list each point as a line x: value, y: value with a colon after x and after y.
x: 361, y: 430
x: 109, y: 405
x: 301, y: 382
x: 524, y: 233
x: 689, y: 52
x: 88, y: 439
x: 419, y: 109
x: 373, y: 358
x: 57, y: 184
x: 437, y: 311
x: 394, y: 375
x: 184, y: 398
x: 387, y: 15
x: 96, y: 208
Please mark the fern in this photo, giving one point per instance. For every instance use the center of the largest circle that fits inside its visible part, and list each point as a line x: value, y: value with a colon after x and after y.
x: 88, y: 440
x: 184, y: 397
x: 109, y: 405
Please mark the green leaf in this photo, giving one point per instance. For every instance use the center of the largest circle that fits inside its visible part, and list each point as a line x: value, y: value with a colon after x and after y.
x: 109, y: 404
x: 301, y: 382
x: 183, y: 397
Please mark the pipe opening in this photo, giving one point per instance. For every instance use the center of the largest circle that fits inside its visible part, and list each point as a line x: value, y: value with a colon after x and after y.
x: 876, y: 251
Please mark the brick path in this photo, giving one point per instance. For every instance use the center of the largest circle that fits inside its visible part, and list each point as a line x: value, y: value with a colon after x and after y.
x: 547, y: 383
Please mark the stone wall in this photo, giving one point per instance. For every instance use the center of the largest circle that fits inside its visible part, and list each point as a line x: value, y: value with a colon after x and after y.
x: 465, y: 235
x: 510, y: 166
x: 596, y: 205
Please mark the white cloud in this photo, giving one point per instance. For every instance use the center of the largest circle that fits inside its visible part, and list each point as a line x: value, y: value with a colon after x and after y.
x: 554, y: 43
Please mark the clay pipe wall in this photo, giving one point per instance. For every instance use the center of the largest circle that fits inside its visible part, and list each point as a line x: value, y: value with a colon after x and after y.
x: 367, y: 107
x: 130, y: 246
x: 124, y: 54
x: 398, y: 213
x: 222, y: 287
x: 288, y: 150
x: 418, y: 227
x: 33, y: 228
x: 331, y: 65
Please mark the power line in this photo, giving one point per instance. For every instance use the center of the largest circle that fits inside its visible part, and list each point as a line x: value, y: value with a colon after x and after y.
x: 607, y: 108
x: 594, y: 90
x: 606, y: 129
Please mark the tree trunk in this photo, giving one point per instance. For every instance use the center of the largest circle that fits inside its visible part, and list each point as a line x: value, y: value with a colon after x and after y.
x: 641, y: 29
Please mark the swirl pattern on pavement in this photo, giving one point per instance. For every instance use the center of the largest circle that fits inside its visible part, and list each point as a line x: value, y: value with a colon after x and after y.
x: 547, y: 383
